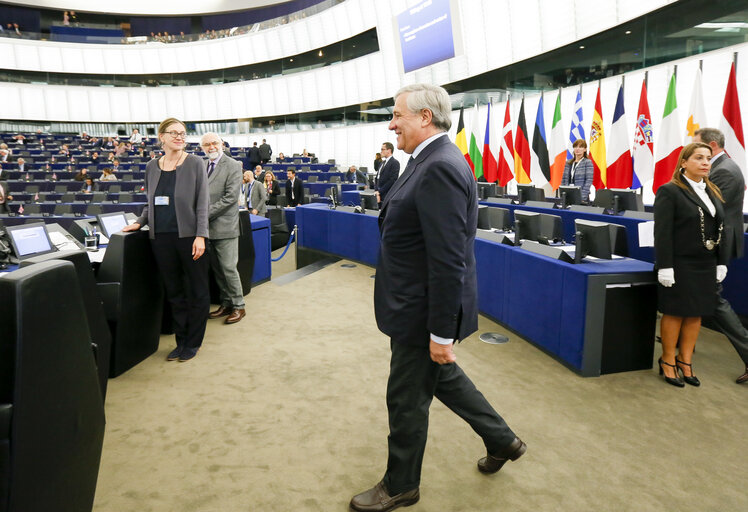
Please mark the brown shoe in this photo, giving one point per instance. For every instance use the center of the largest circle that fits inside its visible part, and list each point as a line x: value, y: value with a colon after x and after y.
x: 218, y: 313
x: 377, y: 499
x: 743, y: 378
x: 493, y: 462
x: 235, y: 316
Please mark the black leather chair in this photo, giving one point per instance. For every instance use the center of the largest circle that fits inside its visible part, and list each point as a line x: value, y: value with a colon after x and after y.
x: 51, y: 410
x: 132, y: 294
x: 93, y: 308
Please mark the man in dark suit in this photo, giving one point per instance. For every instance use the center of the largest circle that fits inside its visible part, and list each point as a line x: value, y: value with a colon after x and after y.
x: 253, y: 156
x: 425, y: 297
x: 224, y: 181
x: 726, y: 174
x: 265, y: 152
x: 355, y: 176
x: 294, y: 189
x: 388, y: 172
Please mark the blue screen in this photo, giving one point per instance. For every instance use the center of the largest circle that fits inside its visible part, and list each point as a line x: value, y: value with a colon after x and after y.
x: 426, y: 34
x: 32, y: 240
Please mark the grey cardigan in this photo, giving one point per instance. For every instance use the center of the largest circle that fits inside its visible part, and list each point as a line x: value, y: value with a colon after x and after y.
x: 191, y: 198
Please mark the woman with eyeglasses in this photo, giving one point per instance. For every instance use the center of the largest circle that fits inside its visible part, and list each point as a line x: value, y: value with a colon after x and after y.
x: 177, y: 213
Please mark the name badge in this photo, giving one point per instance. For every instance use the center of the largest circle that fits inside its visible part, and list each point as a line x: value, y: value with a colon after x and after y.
x: 161, y: 200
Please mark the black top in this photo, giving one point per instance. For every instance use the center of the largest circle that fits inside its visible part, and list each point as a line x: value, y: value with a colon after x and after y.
x: 165, y: 216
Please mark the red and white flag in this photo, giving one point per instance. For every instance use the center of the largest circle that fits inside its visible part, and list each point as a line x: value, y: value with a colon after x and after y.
x: 731, y: 123
x: 506, y: 151
x: 669, y: 143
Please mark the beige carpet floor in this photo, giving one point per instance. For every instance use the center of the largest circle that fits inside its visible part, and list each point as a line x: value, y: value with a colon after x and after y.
x: 285, y: 411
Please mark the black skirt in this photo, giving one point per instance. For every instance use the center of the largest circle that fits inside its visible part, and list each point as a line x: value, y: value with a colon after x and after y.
x: 695, y: 290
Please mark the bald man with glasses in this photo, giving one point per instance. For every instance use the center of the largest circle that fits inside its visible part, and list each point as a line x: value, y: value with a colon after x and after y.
x: 224, y: 183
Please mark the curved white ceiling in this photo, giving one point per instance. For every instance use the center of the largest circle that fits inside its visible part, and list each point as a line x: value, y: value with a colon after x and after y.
x: 148, y: 7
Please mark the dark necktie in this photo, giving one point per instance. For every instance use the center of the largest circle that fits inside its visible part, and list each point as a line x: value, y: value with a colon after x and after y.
x: 211, y: 166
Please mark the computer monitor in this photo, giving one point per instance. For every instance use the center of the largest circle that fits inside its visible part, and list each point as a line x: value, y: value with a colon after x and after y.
x: 619, y: 199
x: 111, y: 223
x: 526, y: 226
x: 369, y: 201
x: 528, y: 192
x: 551, y: 228
x: 599, y: 239
x: 570, y: 194
x: 499, y: 218
x: 30, y: 240
x: 486, y: 190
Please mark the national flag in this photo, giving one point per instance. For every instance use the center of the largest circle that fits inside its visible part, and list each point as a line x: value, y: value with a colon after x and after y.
x: 620, y: 171
x: 474, y: 150
x: 461, y: 139
x: 697, y: 112
x: 36, y: 197
x: 731, y: 123
x: 506, y: 153
x: 577, y: 130
x: 20, y: 210
x: 597, y: 146
x: 669, y: 142
x: 557, y: 147
x: 540, y: 169
x: 54, y: 176
x: 521, y: 148
x: 490, y: 149
x: 643, y: 152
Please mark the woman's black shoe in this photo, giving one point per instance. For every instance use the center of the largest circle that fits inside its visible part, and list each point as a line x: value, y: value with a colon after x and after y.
x: 670, y: 380
x: 693, y: 381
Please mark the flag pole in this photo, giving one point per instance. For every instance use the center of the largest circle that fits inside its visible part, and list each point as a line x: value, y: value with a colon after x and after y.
x: 735, y: 62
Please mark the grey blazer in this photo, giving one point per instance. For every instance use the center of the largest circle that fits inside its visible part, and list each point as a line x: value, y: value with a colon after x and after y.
x: 259, y: 198
x: 190, y: 197
x: 224, y: 184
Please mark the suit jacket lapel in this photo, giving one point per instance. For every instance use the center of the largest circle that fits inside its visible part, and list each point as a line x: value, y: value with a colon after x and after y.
x: 410, y: 169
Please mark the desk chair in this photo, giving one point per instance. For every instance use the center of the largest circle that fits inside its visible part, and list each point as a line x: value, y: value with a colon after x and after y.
x: 312, y: 179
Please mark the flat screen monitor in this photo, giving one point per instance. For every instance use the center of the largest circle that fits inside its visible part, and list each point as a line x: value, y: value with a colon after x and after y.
x: 570, y: 194
x: 599, y: 240
x: 619, y: 199
x: 526, y: 226
x: 499, y: 218
x: 527, y: 192
x: 111, y: 223
x: 486, y: 190
x: 551, y: 228
x: 369, y: 201
x: 30, y: 240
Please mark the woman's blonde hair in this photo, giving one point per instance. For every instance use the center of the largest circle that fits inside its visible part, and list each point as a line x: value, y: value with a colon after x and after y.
x: 685, y: 154
x: 165, y: 124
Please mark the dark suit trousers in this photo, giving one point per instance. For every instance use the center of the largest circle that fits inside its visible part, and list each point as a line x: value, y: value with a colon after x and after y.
x: 186, y: 283
x: 731, y: 326
x: 414, y: 380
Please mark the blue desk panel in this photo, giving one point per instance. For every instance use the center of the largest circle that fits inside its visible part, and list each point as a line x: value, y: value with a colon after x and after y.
x: 261, y: 238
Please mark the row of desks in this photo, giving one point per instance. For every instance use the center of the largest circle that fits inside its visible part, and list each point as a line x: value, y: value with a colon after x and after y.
x: 595, y: 317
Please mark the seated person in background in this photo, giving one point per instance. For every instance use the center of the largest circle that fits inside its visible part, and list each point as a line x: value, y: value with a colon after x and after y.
x: 95, y: 157
x: 110, y: 157
x: 64, y: 150
x: 141, y: 151
x: 294, y: 189
x: 109, y: 144
x: 354, y: 176
x: 20, y: 139
x: 5, y: 197
x: 272, y: 187
x: 121, y: 148
x: 22, y: 167
x: 304, y: 153
x: 88, y: 186
x: 115, y: 165
x: 85, y: 137
x: 135, y: 137
x: 259, y: 173
x: 107, y: 175
x: 82, y: 175
x: 281, y: 157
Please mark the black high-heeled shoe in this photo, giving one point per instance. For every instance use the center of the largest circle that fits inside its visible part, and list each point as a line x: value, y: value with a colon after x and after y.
x: 670, y: 380
x: 692, y: 380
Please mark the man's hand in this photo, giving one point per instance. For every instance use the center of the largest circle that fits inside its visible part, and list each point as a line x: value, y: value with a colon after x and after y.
x: 131, y: 227
x: 441, y: 354
x: 254, y: 212
x: 379, y: 199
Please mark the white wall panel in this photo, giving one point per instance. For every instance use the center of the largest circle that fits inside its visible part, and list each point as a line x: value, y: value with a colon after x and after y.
x: 525, y: 16
x: 498, y: 29
x: 594, y: 16
x: 157, y: 104
x: 557, y: 23
x: 98, y: 101
x: 137, y: 100
x: 27, y: 56
x: 50, y: 58
x: 174, y: 102
x: 32, y: 99
x: 191, y: 102
x: 7, y: 55
x: 79, y: 107
x: 55, y: 101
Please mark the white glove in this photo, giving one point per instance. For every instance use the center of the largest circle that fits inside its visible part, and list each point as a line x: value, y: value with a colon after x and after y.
x: 721, y: 273
x: 666, y: 277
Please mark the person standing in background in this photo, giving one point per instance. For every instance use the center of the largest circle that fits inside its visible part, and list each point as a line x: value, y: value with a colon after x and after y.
x: 265, y: 152
x: 389, y: 170
x: 224, y: 181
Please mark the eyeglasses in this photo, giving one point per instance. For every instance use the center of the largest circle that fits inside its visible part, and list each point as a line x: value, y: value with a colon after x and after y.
x: 177, y: 135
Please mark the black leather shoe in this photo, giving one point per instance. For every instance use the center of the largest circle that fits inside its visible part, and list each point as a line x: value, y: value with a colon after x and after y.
x: 218, y: 313
x: 690, y: 379
x: 493, y: 462
x: 378, y: 499
x: 677, y: 382
x: 174, y: 354
x: 743, y: 378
